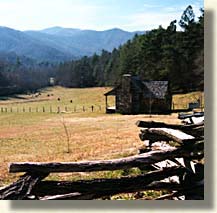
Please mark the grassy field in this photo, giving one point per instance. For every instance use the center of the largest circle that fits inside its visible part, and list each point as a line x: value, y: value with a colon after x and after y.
x: 53, y: 98
x: 41, y: 136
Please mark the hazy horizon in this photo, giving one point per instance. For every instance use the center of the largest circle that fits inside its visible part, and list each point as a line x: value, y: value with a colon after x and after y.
x: 100, y: 15
x: 70, y: 28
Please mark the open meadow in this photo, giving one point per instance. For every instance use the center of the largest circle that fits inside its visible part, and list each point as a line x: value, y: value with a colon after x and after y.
x: 62, y: 125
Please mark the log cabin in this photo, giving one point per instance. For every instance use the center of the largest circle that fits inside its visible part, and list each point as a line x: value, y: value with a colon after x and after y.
x: 136, y: 96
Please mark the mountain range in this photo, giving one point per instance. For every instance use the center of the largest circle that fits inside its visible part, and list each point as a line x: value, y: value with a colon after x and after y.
x: 57, y: 44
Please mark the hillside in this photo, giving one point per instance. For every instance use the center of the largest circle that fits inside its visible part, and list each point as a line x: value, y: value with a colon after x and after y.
x: 24, y: 45
x: 60, y: 44
x: 82, y: 42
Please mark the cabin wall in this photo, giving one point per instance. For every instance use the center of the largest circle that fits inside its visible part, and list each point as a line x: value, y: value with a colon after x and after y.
x: 136, y: 102
x: 128, y: 103
x: 124, y: 96
x: 130, y: 100
x: 155, y: 106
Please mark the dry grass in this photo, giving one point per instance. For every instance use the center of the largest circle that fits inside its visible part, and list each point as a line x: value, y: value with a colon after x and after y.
x: 70, y: 98
x: 181, y: 100
x: 41, y: 137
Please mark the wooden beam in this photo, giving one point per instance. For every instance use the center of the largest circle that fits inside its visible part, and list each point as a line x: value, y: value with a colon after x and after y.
x: 97, y: 188
x: 166, y: 134
x: 22, y: 188
x: 153, y: 124
x: 142, y: 160
x: 102, y: 165
x: 168, y: 196
x: 62, y: 197
x: 88, y: 166
x: 106, y: 101
x: 195, y: 130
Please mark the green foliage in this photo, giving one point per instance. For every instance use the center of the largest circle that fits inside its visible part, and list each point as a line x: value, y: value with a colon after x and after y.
x: 161, y: 54
x: 187, y: 18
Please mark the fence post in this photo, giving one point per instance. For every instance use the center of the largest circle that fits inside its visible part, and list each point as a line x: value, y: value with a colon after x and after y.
x: 66, y: 109
x: 11, y: 109
x: 92, y: 107
x: 6, y: 109
x: 36, y: 109
x: 23, y: 109
x: 43, y: 109
x: 50, y: 109
x: 30, y: 110
x: 74, y: 108
x: 58, y: 109
x: 2, y: 110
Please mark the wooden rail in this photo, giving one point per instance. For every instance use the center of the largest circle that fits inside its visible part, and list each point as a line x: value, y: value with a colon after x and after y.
x: 195, y: 130
x: 105, y: 165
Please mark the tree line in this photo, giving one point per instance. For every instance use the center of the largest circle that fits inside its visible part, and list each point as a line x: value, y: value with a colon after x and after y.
x: 159, y: 54
x: 19, y: 77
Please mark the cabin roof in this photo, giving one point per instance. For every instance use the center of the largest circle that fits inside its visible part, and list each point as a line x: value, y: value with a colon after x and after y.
x: 111, y: 92
x: 149, y: 89
x: 155, y: 89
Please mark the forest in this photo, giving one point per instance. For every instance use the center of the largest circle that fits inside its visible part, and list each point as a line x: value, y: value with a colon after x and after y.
x: 160, y: 54
x: 168, y: 53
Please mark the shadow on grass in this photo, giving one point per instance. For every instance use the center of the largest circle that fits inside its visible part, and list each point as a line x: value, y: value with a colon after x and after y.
x: 5, y: 98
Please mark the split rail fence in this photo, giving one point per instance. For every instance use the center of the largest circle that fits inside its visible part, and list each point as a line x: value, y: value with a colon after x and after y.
x: 51, y: 109
x: 171, y: 161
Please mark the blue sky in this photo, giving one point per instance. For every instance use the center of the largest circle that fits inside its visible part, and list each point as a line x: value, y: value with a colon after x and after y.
x: 129, y: 15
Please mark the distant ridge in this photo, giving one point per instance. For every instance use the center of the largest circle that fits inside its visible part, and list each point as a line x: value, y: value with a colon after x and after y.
x: 57, y: 44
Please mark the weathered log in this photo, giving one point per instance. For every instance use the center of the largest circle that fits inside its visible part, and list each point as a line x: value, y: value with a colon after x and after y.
x: 196, y: 115
x: 196, y: 132
x: 72, y: 196
x: 165, y: 134
x: 175, y: 135
x: 107, y: 187
x: 157, y: 186
x: 193, y: 192
x: 22, y: 188
x: 61, y: 197
x: 170, y: 196
x: 153, y: 124
x: 145, y: 135
x: 105, y: 165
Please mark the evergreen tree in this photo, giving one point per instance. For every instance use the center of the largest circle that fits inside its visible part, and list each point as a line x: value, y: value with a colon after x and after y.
x: 160, y: 54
